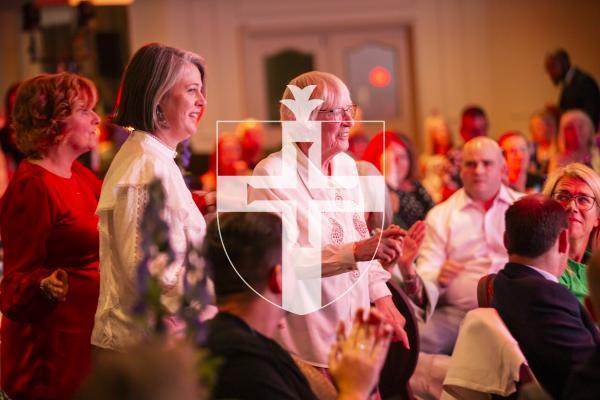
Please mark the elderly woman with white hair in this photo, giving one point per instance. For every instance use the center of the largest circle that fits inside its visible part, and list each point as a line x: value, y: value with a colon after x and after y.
x: 162, y: 99
x: 575, y: 141
x: 347, y: 246
x: 577, y: 188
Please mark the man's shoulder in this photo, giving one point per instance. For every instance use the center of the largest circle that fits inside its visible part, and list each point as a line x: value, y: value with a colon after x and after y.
x: 228, y: 335
x: 441, y: 214
x: 245, y: 376
x: 226, y: 332
x: 517, y: 271
x: 452, y: 203
x: 583, y: 77
x: 580, y: 82
x: 511, y: 195
x: 252, y: 365
x: 522, y: 281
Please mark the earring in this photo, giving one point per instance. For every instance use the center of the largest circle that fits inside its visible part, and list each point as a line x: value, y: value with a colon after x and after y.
x: 161, y: 117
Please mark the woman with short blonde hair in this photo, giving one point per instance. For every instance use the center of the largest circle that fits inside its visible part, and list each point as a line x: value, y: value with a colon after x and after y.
x: 577, y: 188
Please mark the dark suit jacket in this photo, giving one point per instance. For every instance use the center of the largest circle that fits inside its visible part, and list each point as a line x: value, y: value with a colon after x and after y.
x: 553, y: 330
x: 582, y: 93
x: 584, y: 383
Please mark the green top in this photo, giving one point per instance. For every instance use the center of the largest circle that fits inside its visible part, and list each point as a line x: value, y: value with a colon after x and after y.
x: 575, y: 280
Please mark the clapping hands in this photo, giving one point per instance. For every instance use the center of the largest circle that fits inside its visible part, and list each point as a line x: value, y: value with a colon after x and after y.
x: 396, y: 246
x: 356, y: 360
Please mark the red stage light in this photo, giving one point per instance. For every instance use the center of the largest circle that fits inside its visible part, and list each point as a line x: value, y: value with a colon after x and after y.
x: 380, y: 76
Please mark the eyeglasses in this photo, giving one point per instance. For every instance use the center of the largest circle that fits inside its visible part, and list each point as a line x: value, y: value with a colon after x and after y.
x: 336, y: 114
x: 583, y: 202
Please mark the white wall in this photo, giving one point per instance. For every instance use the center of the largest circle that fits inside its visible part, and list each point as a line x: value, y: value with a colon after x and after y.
x: 520, y: 34
x: 14, y: 58
x: 465, y: 51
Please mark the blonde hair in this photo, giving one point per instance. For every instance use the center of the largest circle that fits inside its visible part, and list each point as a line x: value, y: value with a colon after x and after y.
x: 329, y: 88
x: 583, y: 173
x: 42, y: 105
x: 432, y: 123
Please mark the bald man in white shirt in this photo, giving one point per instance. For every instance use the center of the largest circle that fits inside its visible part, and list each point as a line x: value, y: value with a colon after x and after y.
x: 463, y: 241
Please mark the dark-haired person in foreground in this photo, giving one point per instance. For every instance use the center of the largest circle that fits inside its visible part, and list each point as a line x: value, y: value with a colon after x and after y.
x: 552, y: 328
x: 255, y: 366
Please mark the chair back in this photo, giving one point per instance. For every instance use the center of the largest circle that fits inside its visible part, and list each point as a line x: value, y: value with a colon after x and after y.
x: 485, y: 290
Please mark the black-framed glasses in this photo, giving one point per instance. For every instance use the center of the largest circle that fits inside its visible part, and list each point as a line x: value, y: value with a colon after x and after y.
x: 583, y: 202
x: 337, y: 114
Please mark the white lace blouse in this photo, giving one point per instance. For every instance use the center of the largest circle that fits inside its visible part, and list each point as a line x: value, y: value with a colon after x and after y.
x: 141, y: 159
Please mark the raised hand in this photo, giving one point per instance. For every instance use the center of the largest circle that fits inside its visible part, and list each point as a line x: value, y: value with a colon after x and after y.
x: 386, y: 307
x: 410, y: 249
x: 355, y: 361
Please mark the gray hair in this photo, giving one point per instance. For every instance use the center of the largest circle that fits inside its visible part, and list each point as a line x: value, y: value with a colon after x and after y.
x: 329, y: 89
x: 585, y: 129
x: 151, y: 73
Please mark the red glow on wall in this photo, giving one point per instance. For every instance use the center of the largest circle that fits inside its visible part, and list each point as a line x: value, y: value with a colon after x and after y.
x: 380, y: 76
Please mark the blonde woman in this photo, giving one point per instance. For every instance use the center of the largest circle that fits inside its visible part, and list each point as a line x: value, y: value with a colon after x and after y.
x: 577, y: 188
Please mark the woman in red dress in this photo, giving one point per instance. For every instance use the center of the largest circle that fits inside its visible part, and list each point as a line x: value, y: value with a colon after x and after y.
x: 48, y: 225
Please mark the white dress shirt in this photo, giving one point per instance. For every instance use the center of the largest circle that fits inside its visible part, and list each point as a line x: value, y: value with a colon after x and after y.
x: 462, y: 231
x: 310, y: 336
x: 141, y: 159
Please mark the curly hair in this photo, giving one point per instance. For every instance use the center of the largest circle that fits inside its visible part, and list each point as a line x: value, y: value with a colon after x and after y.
x: 43, y: 104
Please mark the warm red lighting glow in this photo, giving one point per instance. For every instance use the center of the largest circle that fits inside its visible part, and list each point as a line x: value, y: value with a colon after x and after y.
x: 380, y: 76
